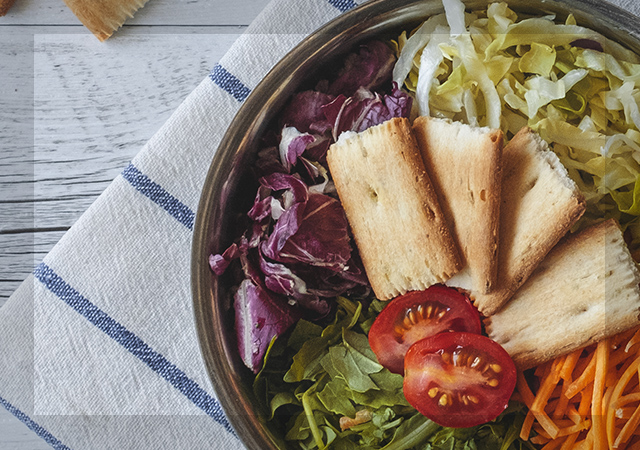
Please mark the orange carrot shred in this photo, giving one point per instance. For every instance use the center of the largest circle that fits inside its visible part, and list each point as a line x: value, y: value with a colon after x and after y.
x: 597, y: 424
x: 628, y: 429
x: 525, y: 431
x: 570, y: 364
x: 587, y: 399
x: 584, y: 379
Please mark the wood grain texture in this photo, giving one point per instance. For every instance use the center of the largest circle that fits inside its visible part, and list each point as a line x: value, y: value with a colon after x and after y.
x: 14, y: 435
x: 155, y: 12
x: 92, y: 106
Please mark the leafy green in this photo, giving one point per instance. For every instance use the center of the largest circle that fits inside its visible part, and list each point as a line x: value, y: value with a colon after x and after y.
x: 412, y: 432
x: 317, y: 376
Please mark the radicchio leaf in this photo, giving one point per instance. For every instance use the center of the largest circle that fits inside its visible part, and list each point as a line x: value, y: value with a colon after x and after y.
x: 282, y: 280
x: 292, y: 145
x: 280, y: 181
x: 261, y: 205
x: 370, y: 68
x: 259, y: 317
x: 322, y: 238
x: 365, y: 109
x: 303, y: 112
x: 219, y: 263
x: 328, y: 283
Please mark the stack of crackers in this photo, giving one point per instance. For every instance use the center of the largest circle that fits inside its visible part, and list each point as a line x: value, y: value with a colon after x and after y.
x: 444, y: 202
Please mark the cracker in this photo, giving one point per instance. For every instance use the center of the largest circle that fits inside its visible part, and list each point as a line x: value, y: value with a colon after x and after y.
x: 104, y: 17
x: 464, y: 164
x: 392, y: 209
x: 585, y: 290
x: 5, y: 5
x: 540, y: 203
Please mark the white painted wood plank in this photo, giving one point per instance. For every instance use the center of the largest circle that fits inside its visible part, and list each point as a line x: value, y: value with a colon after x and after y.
x: 14, y: 435
x: 147, y: 71
x: 95, y: 106
x: 21, y: 252
x: 155, y: 12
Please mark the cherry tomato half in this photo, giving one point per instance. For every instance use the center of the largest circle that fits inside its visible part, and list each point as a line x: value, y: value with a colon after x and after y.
x: 417, y: 315
x: 458, y: 379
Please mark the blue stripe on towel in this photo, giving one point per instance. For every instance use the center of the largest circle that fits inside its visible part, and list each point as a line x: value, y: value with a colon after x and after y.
x: 133, y: 343
x: 343, y: 5
x: 33, y: 426
x: 156, y: 193
x: 229, y: 83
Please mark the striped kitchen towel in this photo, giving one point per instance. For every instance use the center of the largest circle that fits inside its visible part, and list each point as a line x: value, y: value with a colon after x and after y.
x: 98, y: 348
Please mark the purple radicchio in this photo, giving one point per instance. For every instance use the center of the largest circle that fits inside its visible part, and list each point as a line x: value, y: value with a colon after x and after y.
x: 282, y: 280
x: 296, y: 253
x: 370, y: 68
x: 365, y: 109
x: 304, y: 112
x: 312, y: 229
x: 294, y: 229
x: 260, y: 316
x: 294, y: 145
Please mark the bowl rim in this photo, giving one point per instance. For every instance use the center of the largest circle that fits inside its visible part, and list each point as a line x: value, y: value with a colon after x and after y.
x: 232, y: 395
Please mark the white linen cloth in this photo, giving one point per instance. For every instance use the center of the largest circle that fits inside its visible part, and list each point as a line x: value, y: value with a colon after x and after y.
x: 98, y: 348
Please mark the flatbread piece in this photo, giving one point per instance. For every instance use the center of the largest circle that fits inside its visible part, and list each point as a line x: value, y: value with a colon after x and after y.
x: 585, y: 290
x: 104, y: 17
x: 540, y: 203
x: 464, y: 165
x: 392, y: 209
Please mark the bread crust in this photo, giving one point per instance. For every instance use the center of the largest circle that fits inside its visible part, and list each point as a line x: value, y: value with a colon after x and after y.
x: 585, y: 290
x: 104, y: 17
x: 540, y: 203
x: 5, y: 6
x: 392, y: 209
x: 465, y: 166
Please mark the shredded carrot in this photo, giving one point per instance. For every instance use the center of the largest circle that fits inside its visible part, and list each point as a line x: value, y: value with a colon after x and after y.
x: 569, y: 442
x: 524, y: 390
x: 597, y: 425
x: 525, y: 431
x: 585, y: 378
x: 562, y: 404
x: 633, y: 341
x: 587, y: 399
x: 628, y: 429
x: 570, y: 364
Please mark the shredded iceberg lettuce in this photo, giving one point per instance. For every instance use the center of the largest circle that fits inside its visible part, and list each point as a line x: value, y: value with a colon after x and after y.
x: 578, y: 89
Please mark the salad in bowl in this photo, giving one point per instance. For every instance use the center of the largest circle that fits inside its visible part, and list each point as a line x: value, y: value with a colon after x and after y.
x: 311, y: 347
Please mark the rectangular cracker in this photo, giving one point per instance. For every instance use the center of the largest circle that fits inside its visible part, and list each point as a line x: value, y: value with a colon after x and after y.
x: 585, y: 290
x: 104, y: 17
x: 5, y: 6
x: 464, y: 165
x: 392, y: 209
x: 539, y: 205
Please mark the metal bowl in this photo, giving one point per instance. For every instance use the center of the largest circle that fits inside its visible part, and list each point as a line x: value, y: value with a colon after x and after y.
x: 225, y: 195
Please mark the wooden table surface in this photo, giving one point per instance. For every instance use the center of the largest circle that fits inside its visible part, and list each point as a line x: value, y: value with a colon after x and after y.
x: 74, y: 111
